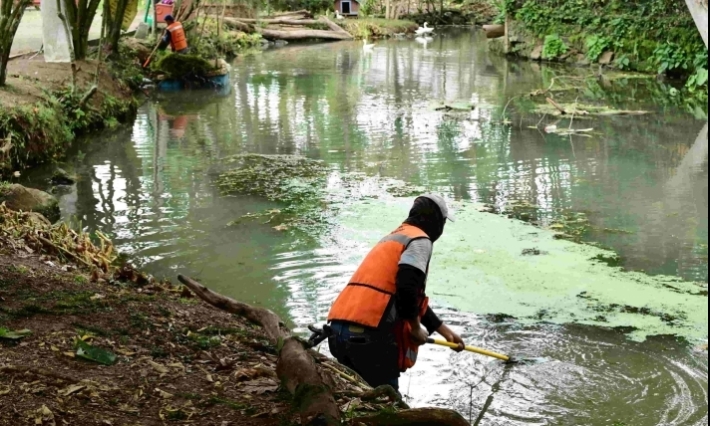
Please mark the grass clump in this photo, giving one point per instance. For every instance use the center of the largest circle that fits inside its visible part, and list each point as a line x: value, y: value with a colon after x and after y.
x: 554, y: 47
x: 179, y: 66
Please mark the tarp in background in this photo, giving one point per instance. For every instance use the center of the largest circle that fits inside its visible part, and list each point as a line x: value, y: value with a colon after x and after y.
x: 56, y: 44
x: 131, y: 12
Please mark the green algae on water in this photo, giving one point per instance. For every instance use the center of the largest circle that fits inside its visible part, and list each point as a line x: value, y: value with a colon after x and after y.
x: 479, y: 266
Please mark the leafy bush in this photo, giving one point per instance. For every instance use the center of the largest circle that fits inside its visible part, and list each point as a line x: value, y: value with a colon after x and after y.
x: 649, y: 35
x: 554, y: 47
x: 596, y: 46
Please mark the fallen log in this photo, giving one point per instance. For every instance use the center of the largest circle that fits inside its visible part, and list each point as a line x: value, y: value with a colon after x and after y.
x: 416, y: 417
x: 280, y: 21
x: 311, y: 388
x: 305, y: 34
x: 304, y: 12
x: 238, y: 25
x: 302, y: 35
x: 334, y: 27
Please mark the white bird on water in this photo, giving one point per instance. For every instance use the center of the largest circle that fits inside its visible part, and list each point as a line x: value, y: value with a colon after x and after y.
x: 424, y: 30
x: 367, y: 47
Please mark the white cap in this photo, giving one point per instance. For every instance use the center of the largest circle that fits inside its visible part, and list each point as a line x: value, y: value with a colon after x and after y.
x: 442, y: 206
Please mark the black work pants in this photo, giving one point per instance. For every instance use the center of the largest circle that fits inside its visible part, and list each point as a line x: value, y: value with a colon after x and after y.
x: 370, y: 353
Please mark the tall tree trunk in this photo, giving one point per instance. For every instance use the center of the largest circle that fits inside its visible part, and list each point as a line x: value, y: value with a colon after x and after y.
x: 10, y: 18
x: 116, y: 20
x: 68, y: 33
x: 388, y: 7
x: 80, y: 15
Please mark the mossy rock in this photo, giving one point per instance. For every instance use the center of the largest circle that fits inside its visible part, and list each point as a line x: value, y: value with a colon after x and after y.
x: 19, y: 198
x: 179, y: 66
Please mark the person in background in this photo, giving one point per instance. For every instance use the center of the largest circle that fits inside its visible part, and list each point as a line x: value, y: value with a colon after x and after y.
x: 377, y: 320
x: 175, y: 37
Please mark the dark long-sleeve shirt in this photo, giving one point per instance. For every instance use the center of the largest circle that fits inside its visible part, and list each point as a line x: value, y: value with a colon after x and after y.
x: 165, y: 42
x: 411, y: 284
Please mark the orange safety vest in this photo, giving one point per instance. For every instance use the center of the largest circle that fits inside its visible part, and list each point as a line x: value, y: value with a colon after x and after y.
x: 366, y: 298
x: 178, y: 39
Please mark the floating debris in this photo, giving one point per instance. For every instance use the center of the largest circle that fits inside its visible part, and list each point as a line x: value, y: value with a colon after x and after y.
x: 576, y: 110
x: 458, y: 106
x: 297, y: 183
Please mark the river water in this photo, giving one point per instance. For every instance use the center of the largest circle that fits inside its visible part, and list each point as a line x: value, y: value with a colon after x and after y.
x: 610, y: 345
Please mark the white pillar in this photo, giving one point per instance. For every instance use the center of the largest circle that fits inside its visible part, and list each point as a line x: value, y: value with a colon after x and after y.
x: 699, y: 10
x: 56, y: 45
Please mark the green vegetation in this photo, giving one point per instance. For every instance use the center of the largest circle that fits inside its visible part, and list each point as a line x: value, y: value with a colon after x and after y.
x: 648, y: 35
x: 42, y: 132
x: 554, y: 47
x: 178, y: 66
x: 11, y: 13
x: 596, y: 46
x: 209, y: 41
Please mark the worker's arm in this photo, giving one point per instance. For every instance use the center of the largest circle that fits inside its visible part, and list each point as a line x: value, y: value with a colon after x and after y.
x: 411, y: 286
x: 165, y: 42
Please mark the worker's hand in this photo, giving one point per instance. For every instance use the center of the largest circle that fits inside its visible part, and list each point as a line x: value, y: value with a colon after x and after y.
x: 419, y: 335
x: 452, y: 337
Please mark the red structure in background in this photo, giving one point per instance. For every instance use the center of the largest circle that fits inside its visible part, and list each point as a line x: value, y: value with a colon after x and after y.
x: 163, y: 10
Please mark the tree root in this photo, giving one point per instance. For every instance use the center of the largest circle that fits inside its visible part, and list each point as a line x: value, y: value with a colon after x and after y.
x: 296, y: 367
x: 274, y: 328
x: 311, y: 387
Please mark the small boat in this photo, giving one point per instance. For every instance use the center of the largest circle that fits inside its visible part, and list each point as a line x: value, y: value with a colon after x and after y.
x: 218, y: 80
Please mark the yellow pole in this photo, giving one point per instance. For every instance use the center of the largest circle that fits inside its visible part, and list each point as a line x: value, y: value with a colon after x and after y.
x: 471, y: 349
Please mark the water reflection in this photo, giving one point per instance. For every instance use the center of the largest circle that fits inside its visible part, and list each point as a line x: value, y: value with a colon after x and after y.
x: 150, y: 187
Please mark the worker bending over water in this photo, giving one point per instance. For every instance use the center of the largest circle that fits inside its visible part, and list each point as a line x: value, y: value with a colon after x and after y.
x: 377, y: 320
x: 175, y: 37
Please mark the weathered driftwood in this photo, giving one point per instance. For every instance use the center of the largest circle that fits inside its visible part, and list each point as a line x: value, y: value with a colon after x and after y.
x: 304, y: 13
x: 300, y: 34
x: 416, y: 417
x: 280, y: 21
x: 238, y: 25
x: 313, y: 391
x: 335, y: 27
